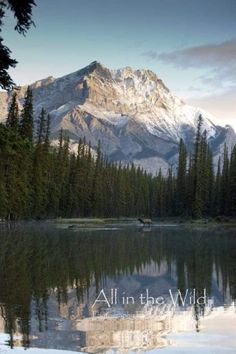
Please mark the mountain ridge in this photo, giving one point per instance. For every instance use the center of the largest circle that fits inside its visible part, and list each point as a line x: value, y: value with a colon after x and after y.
x: 132, y: 112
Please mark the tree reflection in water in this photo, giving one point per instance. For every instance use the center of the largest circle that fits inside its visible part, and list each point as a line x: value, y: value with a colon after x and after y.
x: 42, y: 266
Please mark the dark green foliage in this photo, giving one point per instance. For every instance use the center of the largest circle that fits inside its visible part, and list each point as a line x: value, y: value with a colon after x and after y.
x: 15, y: 167
x: 26, y: 127
x: 6, y: 63
x: 232, y: 183
x: 13, y: 114
x: 41, y: 168
x: 40, y: 181
x: 22, y: 11
x: 181, y: 182
x: 224, y: 191
x: 197, y: 173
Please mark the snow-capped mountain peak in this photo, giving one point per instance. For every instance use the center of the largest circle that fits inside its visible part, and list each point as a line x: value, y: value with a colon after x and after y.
x: 132, y: 113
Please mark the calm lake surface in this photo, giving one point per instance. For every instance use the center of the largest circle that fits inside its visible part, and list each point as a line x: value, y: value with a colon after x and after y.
x: 51, y: 277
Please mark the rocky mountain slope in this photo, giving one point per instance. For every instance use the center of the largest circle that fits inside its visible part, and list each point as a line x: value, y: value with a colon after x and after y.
x: 131, y: 112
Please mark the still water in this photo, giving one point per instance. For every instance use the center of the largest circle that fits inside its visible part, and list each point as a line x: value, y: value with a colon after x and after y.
x: 116, y: 290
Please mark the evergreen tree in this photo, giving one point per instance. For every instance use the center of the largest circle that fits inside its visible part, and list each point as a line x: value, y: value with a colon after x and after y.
x: 13, y: 114
x: 170, y: 194
x: 217, y: 191
x: 39, y: 180
x: 26, y: 127
x: 209, y: 204
x: 66, y: 189
x: 3, y: 159
x: 97, y: 197
x: 22, y: 11
x: 224, y: 189
x: 40, y: 169
x: 47, y: 134
x: 181, y: 183
x: 41, y: 127
x: 197, y: 173
x: 190, y: 187
x: 232, y: 182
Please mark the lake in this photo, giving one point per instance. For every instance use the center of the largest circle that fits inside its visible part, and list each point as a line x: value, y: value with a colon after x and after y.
x: 167, y: 289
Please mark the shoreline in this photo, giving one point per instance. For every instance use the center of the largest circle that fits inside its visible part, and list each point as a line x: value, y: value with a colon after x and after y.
x: 94, y: 222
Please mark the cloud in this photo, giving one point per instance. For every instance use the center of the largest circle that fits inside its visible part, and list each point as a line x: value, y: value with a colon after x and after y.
x: 151, y: 54
x: 218, y: 58
x: 215, y: 89
x: 205, y: 56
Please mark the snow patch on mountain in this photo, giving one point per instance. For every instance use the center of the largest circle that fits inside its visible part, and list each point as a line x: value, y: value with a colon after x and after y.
x: 131, y: 112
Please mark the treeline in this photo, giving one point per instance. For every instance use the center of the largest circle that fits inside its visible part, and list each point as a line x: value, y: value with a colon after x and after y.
x: 197, y: 191
x: 38, y: 180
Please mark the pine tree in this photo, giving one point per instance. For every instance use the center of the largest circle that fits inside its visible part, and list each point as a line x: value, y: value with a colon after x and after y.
x: 209, y: 196
x: 205, y: 174
x: 40, y: 169
x: 170, y: 193
x: 97, y: 193
x: 217, y: 190
x: 160, y: 193
x: 16, y: 176
x: 39, y: 180
x: 232, y: 182
x: 41, y: 127
x: 66, y: 189
x: 3, y: 158
x: 47, y: 134
x: 190, y: 187
x: 13, y: 114
x: 181, y: 183
x: 197, y: 173
x: 224, y: 190
x: 26, y: 127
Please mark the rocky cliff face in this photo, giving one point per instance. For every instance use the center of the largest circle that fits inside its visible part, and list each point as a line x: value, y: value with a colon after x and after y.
x: 131, y: 112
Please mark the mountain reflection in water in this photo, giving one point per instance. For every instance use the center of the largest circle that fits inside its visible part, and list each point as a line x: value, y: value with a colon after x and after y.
x: 49, y: 279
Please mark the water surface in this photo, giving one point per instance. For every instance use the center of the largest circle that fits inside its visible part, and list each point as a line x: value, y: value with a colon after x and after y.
x: 51, y: 277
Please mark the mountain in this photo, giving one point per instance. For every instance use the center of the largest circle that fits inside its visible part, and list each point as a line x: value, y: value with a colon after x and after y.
x: 131, y: 112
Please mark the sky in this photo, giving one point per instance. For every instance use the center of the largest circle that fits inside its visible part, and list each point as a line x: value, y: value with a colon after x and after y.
x: 189, y: 44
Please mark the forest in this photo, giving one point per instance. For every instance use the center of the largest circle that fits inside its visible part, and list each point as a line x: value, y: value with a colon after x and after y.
x: 39, y: 180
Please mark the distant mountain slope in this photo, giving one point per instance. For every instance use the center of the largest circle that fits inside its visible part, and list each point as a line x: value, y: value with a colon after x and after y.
x: 131, y: 112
